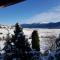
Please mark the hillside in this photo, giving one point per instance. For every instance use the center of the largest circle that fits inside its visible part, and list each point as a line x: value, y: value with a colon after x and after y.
x: 43, y: 25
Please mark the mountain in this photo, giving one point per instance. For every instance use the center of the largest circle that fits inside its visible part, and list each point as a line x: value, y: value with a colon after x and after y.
x: 43, y: 25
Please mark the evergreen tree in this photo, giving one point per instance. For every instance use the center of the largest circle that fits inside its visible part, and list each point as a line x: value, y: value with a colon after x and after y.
x: 58, y: 43
x: 57, y: 55
x: 17, y: 47
x: 21, y: 43
x: 7, y: 48
x: 35, y: 41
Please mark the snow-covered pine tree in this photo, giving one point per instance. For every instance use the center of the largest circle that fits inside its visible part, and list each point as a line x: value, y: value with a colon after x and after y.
x: 17, y: 47
x: 7, y: 48
x: 21, y: 43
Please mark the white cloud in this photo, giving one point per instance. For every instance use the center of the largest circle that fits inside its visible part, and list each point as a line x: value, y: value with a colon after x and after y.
x: 53, y: 15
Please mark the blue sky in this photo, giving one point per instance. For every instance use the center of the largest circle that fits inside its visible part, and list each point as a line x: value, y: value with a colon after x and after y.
x: 31, y: 11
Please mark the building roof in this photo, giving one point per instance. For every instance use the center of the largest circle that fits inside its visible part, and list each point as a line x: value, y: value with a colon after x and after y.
x: 5, y: 3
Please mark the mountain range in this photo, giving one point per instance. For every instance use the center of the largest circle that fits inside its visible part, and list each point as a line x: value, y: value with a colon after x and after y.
x: 42, y: 25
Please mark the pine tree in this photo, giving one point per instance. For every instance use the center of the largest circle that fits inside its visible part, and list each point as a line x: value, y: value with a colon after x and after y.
x: 57, y: 55
x: 58, y: 43
x: 7, y: 48
x: 35, y: 41
x: 17, y: 47
x: 21, y: 43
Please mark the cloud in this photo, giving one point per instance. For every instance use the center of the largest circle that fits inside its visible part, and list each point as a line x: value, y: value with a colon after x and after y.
x: 52, y: 15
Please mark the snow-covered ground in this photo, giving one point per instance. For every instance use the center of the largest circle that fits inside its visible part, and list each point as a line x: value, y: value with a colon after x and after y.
x: 4, y: 32
x: 44, y: 35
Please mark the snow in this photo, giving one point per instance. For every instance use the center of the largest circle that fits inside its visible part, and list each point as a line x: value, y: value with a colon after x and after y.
x: 2, y: 44
x: 44, y: 35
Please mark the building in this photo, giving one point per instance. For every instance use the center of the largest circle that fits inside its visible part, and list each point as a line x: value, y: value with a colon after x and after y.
x: 4, y: 3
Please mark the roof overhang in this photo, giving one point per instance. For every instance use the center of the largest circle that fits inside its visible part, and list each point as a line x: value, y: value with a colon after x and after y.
x: 5, y: 3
